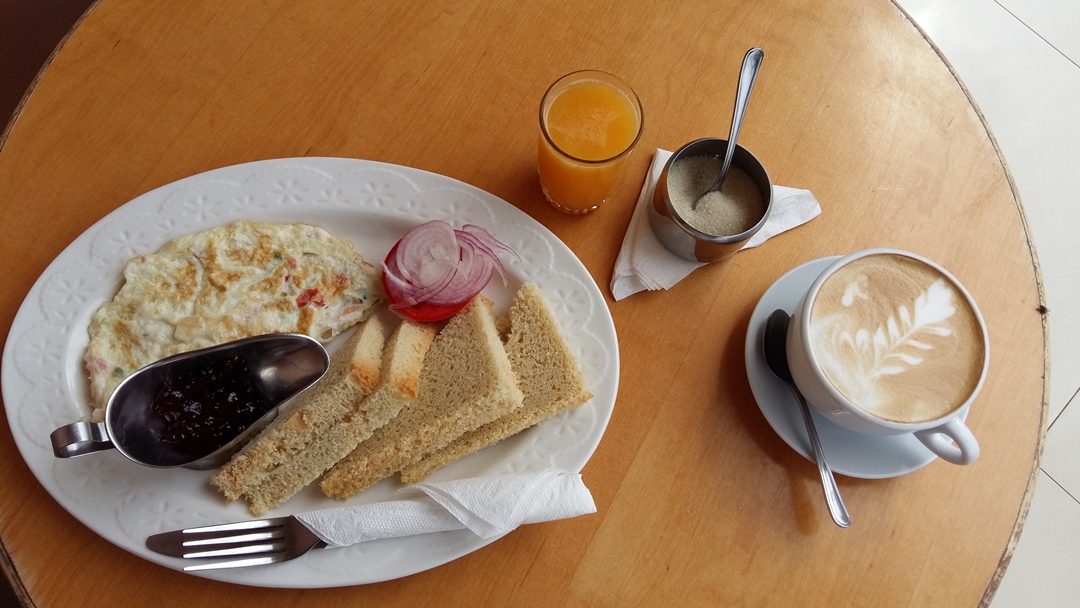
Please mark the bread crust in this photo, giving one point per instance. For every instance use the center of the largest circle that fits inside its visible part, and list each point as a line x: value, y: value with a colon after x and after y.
x: 466, y: 382
x: 403, y: 359
x: 353, y: 374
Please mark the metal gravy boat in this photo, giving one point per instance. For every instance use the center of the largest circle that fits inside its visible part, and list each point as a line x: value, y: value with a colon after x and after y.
x: 279, y: 367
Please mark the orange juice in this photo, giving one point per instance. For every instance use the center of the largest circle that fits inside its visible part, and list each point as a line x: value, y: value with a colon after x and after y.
x: 589, y: 124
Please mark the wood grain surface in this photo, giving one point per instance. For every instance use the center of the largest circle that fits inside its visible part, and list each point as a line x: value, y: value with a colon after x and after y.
x: 700, y: 502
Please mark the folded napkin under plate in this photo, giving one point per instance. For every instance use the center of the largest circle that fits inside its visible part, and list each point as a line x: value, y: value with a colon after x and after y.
x: 644, y: 262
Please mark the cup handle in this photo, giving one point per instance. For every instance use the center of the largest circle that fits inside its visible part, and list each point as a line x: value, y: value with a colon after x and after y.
x: 939, y: 440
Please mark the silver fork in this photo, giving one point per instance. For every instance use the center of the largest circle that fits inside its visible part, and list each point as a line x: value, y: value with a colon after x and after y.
x: 259, y: 542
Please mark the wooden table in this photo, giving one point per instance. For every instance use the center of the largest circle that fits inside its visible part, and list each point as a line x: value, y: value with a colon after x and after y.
x: 700, y: 502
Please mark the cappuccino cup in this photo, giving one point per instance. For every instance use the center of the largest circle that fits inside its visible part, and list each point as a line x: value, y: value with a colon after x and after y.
x: 887, y: 342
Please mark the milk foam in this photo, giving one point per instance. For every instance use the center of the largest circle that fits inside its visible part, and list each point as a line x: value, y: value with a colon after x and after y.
x: 897, y: 338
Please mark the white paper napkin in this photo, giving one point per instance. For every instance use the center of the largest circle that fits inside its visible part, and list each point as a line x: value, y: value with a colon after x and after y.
x: 644, y: 262
x: 489, y: 506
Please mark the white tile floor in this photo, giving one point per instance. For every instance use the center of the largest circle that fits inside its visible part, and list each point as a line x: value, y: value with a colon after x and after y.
x: 1020, y: 60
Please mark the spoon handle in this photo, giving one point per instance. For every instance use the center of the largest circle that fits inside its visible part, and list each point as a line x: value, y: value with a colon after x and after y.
x: 832, y: 493
x: 747, y: 77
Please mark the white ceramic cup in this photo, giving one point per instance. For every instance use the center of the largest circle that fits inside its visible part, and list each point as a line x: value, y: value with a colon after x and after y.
x: 938, y: 434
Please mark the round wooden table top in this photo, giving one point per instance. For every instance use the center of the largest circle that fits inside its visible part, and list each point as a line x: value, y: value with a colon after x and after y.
x: 700, y: 502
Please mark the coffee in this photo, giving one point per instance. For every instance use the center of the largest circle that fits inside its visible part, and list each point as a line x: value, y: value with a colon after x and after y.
x: 897, y: 338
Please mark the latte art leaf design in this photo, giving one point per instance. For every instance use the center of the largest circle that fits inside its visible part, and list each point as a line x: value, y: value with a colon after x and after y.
x: 901, y: 343
x: 859, y: 357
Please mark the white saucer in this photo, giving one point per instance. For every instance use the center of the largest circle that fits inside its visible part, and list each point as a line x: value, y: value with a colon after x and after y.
x: 848, y: 453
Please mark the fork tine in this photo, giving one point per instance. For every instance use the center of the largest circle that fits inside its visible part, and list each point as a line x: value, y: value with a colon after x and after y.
x: 252, y: 524
x: 200, y: 541
x: 239, y: 550
x: 239, y: 563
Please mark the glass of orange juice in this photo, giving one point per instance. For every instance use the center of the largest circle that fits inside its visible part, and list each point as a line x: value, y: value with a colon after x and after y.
x: 589, y: 124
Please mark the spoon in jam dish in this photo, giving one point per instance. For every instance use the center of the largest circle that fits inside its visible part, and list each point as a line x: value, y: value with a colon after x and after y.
x: 747, y: 77
x: 775, y: 345
x: 195, y: 409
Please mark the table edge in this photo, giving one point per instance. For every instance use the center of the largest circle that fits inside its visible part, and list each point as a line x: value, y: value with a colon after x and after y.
x: 7, y: 566
x: 1025, y: 505
x: 41, y: 72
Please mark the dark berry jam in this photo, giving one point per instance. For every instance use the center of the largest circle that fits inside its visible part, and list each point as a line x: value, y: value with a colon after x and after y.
x: 205, y: 408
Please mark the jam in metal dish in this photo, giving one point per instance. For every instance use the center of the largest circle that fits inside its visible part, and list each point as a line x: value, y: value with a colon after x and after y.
x: 204, y: 408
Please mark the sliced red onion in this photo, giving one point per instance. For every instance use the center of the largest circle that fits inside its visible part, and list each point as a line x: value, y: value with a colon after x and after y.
x: 427, y: 242
x: 484, y: 236
x: 404, y: 293
x: 472, y: 275
x: 469, y: 240
x: 495, y: 246
x: 438, y: 265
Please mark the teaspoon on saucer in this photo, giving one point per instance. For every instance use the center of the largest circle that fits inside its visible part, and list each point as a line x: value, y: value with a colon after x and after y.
x: 775, y: 346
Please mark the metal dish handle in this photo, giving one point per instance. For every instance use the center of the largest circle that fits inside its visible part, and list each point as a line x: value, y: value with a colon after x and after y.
x: 80, y: 438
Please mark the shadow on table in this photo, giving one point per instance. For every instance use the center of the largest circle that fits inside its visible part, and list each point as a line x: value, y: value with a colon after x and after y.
x: 804, y: 482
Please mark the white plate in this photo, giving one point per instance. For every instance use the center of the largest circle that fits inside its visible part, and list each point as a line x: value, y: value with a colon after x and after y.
x: 847, y: 452
x: 372, y: 204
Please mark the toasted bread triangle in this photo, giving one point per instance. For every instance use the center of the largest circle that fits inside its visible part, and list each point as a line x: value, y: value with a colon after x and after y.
x: 466, y: 382
x: 353, y: 375
x: 546, y: 370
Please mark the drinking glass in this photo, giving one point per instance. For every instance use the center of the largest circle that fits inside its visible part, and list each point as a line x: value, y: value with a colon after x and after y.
x: 590, y: 122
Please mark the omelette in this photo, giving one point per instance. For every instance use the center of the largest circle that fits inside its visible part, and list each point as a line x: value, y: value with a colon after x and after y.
x: 226, y: 283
